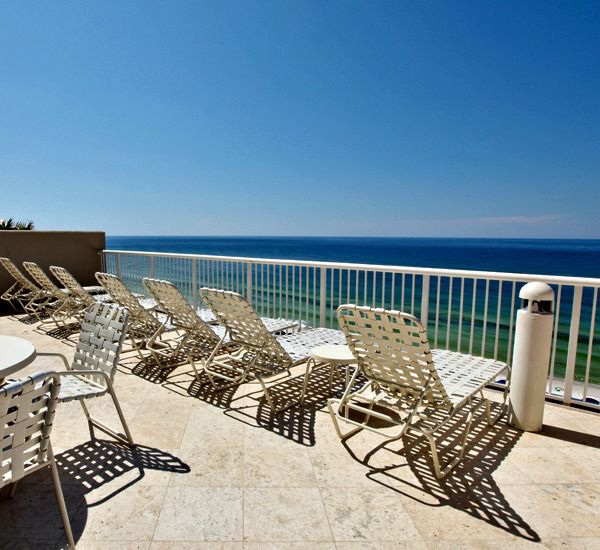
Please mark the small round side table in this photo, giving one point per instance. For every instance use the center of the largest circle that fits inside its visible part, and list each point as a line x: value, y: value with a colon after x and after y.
x: 334, y: 355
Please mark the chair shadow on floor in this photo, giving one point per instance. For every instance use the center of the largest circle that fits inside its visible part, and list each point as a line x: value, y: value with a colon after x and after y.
x: 405, y: 466
x: 297, y: 422
x: 82, y: 469
x: 63, y: 332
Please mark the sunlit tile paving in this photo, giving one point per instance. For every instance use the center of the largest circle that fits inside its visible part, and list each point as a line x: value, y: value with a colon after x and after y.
x: 219, y: 470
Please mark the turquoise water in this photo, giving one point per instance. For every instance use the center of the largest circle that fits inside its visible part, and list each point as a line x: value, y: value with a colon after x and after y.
x: 546, y: 257
x: 579, y: 258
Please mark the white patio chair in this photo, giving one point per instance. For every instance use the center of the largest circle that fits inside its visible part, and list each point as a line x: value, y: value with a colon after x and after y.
x: 261, y: 353
x: 146, y: 327
x: 27, y: 409
x: 92, y: 372
x: 409, y: 386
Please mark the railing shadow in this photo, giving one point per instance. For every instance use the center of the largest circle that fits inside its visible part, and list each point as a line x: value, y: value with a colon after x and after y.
x: 570, y: 436
x: 469, y: 487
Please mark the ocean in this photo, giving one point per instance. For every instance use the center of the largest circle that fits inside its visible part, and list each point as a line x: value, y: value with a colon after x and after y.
x: 579, y: 258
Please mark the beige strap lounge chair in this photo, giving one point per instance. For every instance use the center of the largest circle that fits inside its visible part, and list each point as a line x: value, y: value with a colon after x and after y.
x: 92, y: 372
x: 198, y: 338
x: 409, y: 386
x: 74, y: 288
x: 261, y: 353
x: 145, y: 327
x: 33, y: 299
x: 27, y: 409
x: 67, y: 305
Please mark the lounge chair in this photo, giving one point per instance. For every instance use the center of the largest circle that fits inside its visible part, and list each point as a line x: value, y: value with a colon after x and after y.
x: 30, y: 297
x: 92, y: 372
x: 261, y: 353
x: 198, y: 338
x: 27, y: 409
x: 76, y: 290
x: 66, y: 305
x: 409, y: 386
x: 145, y: 327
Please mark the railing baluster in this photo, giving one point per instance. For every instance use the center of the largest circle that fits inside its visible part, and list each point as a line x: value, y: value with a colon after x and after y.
x: 588, y: 362
x: 573, y: 344
x: 323, y: 297
x: 554, y: 339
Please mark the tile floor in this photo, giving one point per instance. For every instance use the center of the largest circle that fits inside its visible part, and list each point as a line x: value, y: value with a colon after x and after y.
x: 217, y: 470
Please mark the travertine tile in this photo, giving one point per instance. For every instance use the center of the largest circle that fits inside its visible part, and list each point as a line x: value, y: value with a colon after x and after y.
x: 200, y: 514
x: 367, y: 515
x: 270, y: 461
x: 284, y: 514
x: 130, y: 514
x: 217, y: 465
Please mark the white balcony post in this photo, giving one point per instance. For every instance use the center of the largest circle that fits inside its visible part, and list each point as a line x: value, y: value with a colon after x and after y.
x: 249, y: 282
x: 573, y: 342
x: 323, y: 297
x: 425, y: 300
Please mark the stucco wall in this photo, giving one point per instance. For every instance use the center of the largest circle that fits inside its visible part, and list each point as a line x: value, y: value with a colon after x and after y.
x: 77, y: 251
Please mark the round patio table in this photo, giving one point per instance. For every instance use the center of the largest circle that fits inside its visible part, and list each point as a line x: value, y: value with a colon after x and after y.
x: 15, y: 353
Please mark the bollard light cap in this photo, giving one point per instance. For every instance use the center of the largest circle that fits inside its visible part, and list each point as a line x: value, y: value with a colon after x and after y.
x: 537, y: 292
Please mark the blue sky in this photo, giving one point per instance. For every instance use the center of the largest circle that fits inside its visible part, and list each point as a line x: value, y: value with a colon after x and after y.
x: 302, y: 118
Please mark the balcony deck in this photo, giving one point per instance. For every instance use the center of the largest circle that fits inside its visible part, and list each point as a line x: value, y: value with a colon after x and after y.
x: 217, y: 470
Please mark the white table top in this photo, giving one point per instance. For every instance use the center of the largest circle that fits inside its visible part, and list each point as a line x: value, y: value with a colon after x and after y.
x: 333, y: 353
x: 15, y: 353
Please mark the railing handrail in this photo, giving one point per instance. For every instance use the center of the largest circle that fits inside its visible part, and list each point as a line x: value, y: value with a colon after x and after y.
x: 474, y: 274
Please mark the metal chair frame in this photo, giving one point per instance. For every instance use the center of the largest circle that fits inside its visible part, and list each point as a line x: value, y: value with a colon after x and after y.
x: 27, y: 409
x: 410, y: 381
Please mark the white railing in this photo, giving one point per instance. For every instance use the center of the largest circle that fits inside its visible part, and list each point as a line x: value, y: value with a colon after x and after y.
x: 469, y: 311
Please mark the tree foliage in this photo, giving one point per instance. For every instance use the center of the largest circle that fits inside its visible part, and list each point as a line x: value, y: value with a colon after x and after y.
x: 11, y: 225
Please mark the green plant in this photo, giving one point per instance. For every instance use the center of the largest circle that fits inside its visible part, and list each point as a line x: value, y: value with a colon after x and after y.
x: 11, y: 225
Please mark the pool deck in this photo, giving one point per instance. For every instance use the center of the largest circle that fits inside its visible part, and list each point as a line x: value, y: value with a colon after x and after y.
x: 218, y: 470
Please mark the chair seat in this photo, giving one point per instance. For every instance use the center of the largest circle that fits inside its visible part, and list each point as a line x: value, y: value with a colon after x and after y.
x: 299, y: 344
x: 206, y: 315
x: 73, y: 387
x: 462, y: 375
x: 277, y: 325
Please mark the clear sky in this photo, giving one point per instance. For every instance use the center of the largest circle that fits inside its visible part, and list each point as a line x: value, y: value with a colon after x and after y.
x: 447, y: 118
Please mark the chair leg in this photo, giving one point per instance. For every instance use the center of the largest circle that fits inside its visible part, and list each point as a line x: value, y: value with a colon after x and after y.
x: 60, y: 499
x: 93, y: 423
x: 335, y: 420
x: 442, y: 470
x: 120, y: 413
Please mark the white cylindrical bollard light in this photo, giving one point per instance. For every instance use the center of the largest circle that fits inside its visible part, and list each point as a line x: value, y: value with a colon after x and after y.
x: 531, y: 357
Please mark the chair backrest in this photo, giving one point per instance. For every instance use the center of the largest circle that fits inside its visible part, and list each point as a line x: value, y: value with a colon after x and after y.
x: 71, y: 284
x: 38, y: 275
x: 103, y: 331
x: 17, y: 275
x: 180, y: 311
x: 243, y: 324
x: 392, y: 350
x: 26, y: 413
x: 140, y: 318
